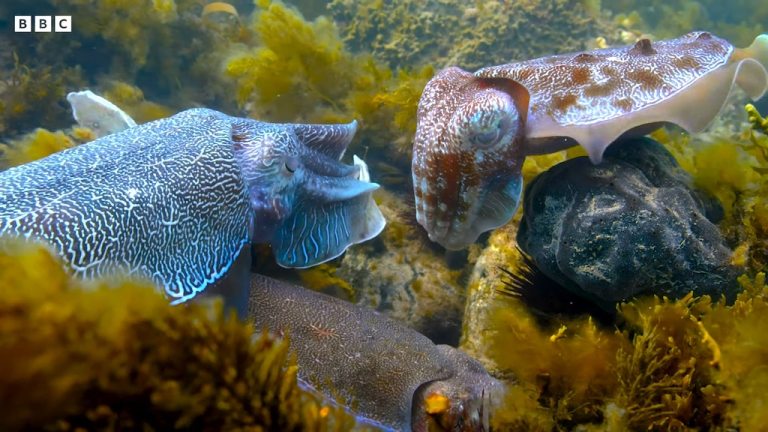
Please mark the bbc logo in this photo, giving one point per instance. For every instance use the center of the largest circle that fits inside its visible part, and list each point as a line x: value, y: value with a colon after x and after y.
x: 43, y: 24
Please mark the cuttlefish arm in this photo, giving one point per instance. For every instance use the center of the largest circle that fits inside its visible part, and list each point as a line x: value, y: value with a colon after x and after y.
x: 475, y: 130
x: 594, y: 98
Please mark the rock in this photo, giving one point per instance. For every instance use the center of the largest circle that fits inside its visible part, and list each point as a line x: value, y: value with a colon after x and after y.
x: 630, y: 225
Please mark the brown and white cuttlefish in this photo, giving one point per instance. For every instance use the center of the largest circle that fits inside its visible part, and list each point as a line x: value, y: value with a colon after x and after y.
x: 475, y: 130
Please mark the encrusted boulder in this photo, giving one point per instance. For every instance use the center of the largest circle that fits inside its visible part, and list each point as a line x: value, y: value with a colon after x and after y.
x: 630, y: 225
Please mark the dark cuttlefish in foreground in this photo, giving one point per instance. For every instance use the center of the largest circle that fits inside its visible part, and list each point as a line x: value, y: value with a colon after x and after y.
x: 179, y: 200
x: 475, y: 130
x: 385, y: 373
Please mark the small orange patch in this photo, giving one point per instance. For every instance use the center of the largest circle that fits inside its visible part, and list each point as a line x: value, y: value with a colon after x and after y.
x: 436, y: 404
x: 562, y: 103
x: 601, y: 90
x: 580, y: 75
x: 687, y: 62
x: 609, y: 71
x: 323, y: 332
x: 623, y: 104
x: 647, y: 79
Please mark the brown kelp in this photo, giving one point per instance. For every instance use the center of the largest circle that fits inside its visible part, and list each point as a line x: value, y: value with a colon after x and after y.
x: 114, y: 355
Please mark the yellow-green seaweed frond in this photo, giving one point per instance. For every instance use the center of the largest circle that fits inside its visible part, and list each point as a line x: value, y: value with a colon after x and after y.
x: 301, y: 71
x: 30, y: 96
x: 323, y: 278
x: 667, y: 380
x: 33, y: 146
x: 759, y: 123
x: 113, y: 354
x: 298, y: 68
x: 567, y: 369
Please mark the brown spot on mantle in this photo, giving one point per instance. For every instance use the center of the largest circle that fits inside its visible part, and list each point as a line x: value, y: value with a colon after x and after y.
x: 562, y: 103
x: 580, y: 75
x: 624, y: 104
x: 687, y: 62
x: 648, y: 80
x: 601, y: 90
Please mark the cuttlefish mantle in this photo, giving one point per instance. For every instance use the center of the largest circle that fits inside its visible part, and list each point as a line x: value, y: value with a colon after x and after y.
x: 474, y: 130
x: 596, y: 97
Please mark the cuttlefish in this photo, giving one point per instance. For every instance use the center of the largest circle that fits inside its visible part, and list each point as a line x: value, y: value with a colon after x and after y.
x: 474, y: 130
x: 386, y: 374
x: 179, y: 200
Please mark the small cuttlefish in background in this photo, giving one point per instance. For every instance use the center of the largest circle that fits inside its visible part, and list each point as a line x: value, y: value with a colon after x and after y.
x: 179, y: 200
x: 98, y: 114
x: 474, y: 130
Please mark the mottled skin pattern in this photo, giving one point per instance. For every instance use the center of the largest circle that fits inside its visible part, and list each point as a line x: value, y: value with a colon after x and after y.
x: 176, y: 200
x: 474, y: 130
x: 601, y: 85
x: 376, y: 366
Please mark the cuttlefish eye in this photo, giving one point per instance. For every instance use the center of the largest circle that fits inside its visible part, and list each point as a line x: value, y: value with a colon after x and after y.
x: 493, y: 121
x: 291, y: 164
x: 487, y: 135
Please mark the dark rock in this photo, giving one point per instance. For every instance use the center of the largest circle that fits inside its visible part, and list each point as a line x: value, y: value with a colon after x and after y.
x: 630, y: 225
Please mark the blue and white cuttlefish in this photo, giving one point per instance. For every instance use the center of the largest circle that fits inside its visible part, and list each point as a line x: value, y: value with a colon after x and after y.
x: 179, y: 200
x: 475, y: 130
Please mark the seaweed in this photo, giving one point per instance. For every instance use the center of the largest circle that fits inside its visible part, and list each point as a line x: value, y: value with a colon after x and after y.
x: 690, y: 364
x: 130, y: 99
x: 113, y: 354
x: 301, y: 71
x: 323, y: 278
x: 30, y: 96
x: 35, y: 145
x: 667, y: 380
x: 568, y: 366
x: 162, y: 46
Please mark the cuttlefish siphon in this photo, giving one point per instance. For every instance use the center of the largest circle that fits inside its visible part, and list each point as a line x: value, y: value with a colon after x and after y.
x: 180, y: 199
x: 475, y: 130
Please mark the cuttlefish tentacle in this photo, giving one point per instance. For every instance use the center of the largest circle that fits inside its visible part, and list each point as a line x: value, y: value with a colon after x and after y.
x: 474, y: 130
x: 177, y: 200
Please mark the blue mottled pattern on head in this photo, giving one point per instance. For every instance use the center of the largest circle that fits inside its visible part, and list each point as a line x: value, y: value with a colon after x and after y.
x: 164, y: 200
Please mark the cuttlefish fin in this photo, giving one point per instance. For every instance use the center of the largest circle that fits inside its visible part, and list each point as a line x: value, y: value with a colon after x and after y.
x: 98, y: 114
x: 331, y: 140
x: 316, y: 233
x: 754, y: 83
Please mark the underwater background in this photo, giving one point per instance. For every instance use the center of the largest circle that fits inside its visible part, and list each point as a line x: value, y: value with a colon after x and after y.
x: 682, y: 348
